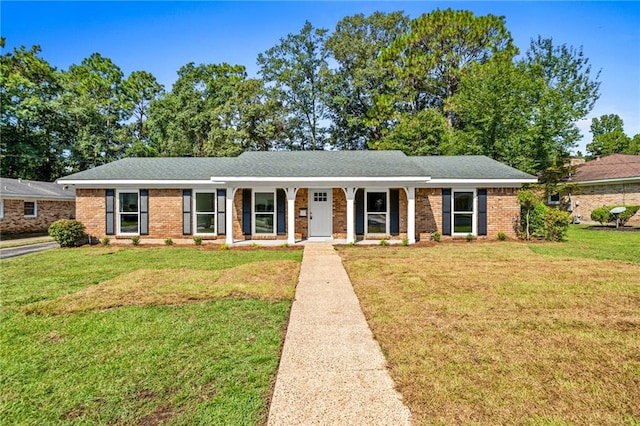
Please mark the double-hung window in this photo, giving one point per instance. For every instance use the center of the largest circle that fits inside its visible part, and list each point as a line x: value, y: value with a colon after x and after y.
x: 264, y: 212
x: 30, y: 209
x: 376, y: 213
x: 463, y: 212
x: 205, y: 212
x: 128, y: 212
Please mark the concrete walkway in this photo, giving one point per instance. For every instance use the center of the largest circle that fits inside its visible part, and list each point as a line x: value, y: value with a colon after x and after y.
x: 332, y: 371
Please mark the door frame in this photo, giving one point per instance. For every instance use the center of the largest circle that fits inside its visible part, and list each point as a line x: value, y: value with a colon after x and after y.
x: 328, y: 212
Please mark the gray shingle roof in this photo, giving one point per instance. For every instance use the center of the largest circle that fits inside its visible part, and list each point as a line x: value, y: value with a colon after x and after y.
x: 468, y: 167
x: 302, y: 164
x: 18, y: 188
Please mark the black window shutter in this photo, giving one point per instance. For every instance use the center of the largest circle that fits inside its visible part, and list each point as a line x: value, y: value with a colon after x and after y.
x: 109, y: 211
x: 186, y: 212
x: 446, y: 211
x: 222, y: 208
x: 359, y: 211
x: 394, y: 210
x: 246, y: 211
x: 281, y: 206
x: 144, y: 212
x: 482, y: 212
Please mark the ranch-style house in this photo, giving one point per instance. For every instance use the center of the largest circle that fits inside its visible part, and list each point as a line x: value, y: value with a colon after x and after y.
x: 299, y: 195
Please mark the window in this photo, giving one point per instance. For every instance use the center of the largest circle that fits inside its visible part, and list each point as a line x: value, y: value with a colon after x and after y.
x: 205, y: 212
x: 1, y: 209
x: 319, y: 196
x: 376, y: 213
x: 264, y: 212
x: 128, y: 213
x: 30, y: 209
x: 463, y: 212
x: 553, y: 198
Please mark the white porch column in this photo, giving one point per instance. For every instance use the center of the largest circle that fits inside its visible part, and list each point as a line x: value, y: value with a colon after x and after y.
x: 350, y: 194
x: 291, y: 215
x: 229, y: 215
x: 411, y: 213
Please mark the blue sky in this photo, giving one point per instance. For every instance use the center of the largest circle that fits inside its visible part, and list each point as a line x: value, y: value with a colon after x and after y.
x: 160, y: 37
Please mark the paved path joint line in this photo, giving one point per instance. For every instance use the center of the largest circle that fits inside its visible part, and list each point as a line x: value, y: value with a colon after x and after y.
x: 332, y: 371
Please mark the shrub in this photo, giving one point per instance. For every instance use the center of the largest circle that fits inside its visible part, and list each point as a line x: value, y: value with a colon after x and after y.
x: 105, y: 241
x: 168, y: 241
x: 502, y: 236
x: 436, y: 237
x: 284, y: 245
x: 224, y: 246
x: 384, y: 242
x: 602, y: 215
x: 135, y: 240
x: 556, y: 224
x: 405, y: 241
x: 67, y: 232
x: 197, y: 240
x: 627, y: 214
x: 255, y: 245
x: 469, y: 237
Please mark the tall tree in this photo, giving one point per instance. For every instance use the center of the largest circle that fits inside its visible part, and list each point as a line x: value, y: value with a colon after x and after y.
x: 31, y: 145
x: 567, y: 94
x: 141, y: 88
x: 96, y: 102
x: 360, y: 78
x: 608, y: 136
x: 297, y: 69
x: 429, y: 60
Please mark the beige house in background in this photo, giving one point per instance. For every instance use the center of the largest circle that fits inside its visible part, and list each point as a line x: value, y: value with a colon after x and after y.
x: 28, y: 207
x: 607, y: 181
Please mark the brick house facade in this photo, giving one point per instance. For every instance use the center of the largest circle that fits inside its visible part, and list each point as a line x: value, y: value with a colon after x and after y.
x: 292, y: 196
x: 30, y: 207
x: 613, y: 180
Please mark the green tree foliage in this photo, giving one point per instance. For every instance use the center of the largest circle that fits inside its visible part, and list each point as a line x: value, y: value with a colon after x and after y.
x: 429, y: 60
x: 360, y: 77
x: 31, y: 127
x: 141, y: 88
x: 608, y: 136
x: 297, y: 71
x: 566, y: 95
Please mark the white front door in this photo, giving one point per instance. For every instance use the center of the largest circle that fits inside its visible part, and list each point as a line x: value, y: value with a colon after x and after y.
x: 320, y: 207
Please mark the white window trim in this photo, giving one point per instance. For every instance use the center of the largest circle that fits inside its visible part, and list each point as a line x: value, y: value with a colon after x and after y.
x: 119, y: 213
x: 254, y: 212
x: 474, y: 213
x: 366, y: 212
x: 552, y: 202
x: 214, y: 212
x: 35, y: 208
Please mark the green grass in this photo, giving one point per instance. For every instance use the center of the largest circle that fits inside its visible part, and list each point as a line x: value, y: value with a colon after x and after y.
x: 206, y: 362
x: 598, y: 244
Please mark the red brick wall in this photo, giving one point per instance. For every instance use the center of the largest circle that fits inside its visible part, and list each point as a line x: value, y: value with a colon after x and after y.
x: 14, y: 222
x: 165, y: 213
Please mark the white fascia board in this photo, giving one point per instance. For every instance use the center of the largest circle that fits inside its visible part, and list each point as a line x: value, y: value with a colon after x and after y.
x: 483, y: 182
x: 112, y: 183
x: 330, y: 179
x: 606, y: 181
x: 37, y: 197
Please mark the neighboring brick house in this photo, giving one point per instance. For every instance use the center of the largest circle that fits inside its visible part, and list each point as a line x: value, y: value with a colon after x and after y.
x: 28, y: 207
x: 324, y: 195
x: 606, y: 181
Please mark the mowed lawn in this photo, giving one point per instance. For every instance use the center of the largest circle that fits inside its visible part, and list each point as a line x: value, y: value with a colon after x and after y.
x: 109, y: 335
x: 509, y: 332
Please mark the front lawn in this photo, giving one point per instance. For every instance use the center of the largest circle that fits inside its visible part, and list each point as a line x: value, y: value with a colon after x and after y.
x: 508, y: 332
x: 142, y: 335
